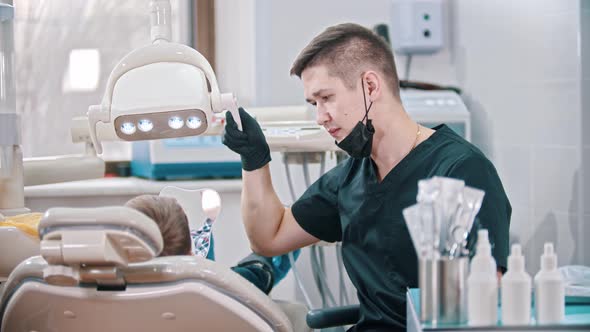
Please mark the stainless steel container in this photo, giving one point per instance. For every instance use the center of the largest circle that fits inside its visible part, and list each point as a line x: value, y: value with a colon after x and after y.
x: 428, y: 281
x: 453, y: 289
x: 443, y: 290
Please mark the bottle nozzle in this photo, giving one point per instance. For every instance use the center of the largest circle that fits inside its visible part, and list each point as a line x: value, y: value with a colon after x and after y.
x: 516, y: 260
x: 516, y: 250
x: 548, y: 248
x: 548, y: 259
x: 483, y: 242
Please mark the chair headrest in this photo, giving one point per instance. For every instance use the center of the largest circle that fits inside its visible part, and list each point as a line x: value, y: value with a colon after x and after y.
x: 111, y: 236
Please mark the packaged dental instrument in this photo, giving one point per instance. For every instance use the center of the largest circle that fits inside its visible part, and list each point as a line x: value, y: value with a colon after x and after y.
x: 482, y: 285
x: 438, y: 200
x: 549, y: 289
x: 462, y: 222
x: 443, y: 216
x: 415, y: 229
x: 577, y: 283
x: 516, y: 290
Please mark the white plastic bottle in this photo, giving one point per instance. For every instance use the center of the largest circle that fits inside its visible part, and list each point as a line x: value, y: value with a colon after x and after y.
x: 549, y: 290
x: 482, y: 285
x: 516, y: 291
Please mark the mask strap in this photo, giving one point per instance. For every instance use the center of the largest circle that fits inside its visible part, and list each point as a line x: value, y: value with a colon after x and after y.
x: 365, y: 100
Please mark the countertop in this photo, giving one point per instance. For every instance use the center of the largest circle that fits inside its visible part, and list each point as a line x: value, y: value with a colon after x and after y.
x: 125, y: 186
x: 577, y: 317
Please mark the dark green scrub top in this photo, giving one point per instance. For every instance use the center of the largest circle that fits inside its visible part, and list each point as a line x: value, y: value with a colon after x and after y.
x: 349, y: 204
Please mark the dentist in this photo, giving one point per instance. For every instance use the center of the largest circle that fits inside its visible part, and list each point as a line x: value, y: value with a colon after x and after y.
x: 349, y: 75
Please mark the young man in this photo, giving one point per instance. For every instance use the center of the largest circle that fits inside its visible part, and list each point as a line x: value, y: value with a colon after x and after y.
x: 349, y: 74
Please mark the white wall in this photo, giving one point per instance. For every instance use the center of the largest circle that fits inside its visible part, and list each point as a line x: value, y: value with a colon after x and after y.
x: 257, y: 41
x: 520, y: 65
x: 523, y: 67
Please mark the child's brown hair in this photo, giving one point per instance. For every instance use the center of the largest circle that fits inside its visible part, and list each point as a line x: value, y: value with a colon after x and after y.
x: 170, y: 218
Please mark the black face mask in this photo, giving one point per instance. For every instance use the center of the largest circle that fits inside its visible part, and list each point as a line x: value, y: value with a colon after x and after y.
x: 359, y: 142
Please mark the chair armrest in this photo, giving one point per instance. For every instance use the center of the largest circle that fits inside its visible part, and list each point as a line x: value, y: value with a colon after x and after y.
x: 331, y: 317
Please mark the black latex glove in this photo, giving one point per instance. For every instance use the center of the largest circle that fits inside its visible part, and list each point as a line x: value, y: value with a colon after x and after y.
x: 250, y: 143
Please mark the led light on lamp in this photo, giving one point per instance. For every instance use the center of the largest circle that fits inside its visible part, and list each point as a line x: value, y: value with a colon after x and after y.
x: 128, y: 128
x: 145, y: 125
x: 175, y: 122
x: 193, y: 122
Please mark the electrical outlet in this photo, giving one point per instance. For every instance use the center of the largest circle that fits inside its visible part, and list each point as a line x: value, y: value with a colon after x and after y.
x: 417, y: 26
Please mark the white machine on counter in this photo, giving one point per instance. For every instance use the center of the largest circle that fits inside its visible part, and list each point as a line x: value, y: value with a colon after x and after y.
x: 431, y: 108
x: 294, y: 129
x: 184, y: 158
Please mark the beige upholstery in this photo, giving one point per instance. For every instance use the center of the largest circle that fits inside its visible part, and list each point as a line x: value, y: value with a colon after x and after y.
x: 297, y: 313
x: 168, y: 293
x: 15, y: 246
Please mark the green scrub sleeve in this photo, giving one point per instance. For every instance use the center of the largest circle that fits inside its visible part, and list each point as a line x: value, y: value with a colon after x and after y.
x: 494, y: 215
x: 316, y: 211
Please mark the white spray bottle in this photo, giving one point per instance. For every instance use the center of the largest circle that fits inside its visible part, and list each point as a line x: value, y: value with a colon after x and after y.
x: 549, y: 290
x: 482, y: 285
x: 516, y: 291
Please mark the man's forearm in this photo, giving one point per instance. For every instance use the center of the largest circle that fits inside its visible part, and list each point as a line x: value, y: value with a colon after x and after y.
x: 262, y: 211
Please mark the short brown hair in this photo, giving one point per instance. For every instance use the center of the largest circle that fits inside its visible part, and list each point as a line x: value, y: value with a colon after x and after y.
x: 348, y: 50
x: 170, y: 218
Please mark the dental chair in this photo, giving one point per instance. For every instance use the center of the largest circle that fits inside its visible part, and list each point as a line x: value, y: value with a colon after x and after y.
x: 98, y: 271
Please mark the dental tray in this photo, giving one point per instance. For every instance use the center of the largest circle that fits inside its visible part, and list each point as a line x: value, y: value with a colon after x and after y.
x: 297, y: 136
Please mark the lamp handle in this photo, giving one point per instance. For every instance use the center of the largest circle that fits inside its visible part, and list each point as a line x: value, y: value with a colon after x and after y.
x: 230, y: 103
x: 96, y: 114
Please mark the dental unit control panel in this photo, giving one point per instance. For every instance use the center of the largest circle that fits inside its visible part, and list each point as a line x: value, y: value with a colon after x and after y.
x: 301, y: 134
x: 298, y: 136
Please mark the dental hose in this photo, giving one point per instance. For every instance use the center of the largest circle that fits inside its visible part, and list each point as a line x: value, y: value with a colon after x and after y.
x: 316, y: 277
x: 317, y: 252
x: 322, y: 164
x: 289, y: 179
x: 290, y: 255
x: 306, y: 171
x: 323, y: 277
x: 319, y: 275
x: 299, y: 283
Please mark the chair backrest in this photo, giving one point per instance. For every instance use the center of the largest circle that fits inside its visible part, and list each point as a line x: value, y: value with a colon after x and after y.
x: 98, y: 273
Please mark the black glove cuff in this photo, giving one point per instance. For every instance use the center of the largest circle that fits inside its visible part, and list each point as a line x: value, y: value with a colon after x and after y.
x: 252, y: 164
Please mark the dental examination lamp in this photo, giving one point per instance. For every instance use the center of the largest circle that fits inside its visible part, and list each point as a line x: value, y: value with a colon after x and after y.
x: 163, y: 90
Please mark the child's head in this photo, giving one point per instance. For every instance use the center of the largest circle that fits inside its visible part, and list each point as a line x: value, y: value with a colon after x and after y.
x: 171, y: 220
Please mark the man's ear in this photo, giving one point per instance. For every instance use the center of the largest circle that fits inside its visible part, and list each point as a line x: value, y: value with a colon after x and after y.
x: 373, y: 85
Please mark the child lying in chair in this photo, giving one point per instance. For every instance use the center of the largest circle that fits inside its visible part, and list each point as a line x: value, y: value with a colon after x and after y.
x: 263, y: 272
